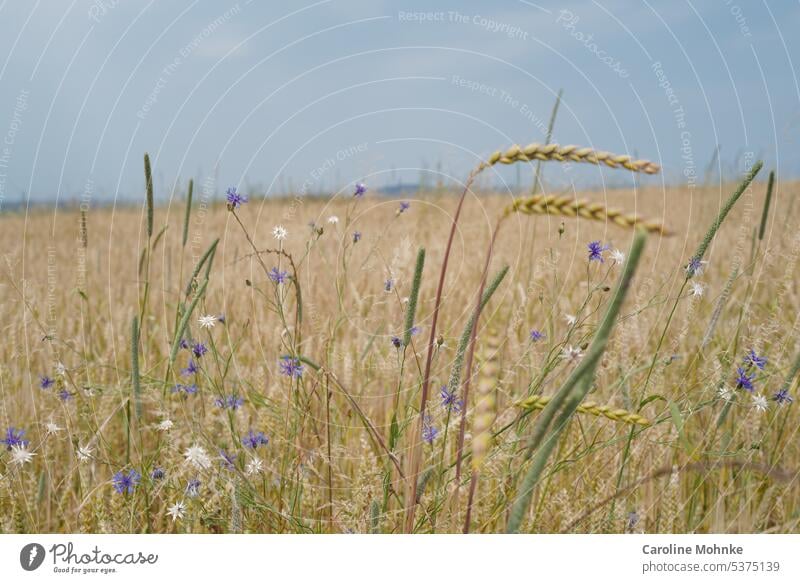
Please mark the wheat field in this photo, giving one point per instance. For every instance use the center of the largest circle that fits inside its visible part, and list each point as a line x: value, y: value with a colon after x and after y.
x: 279, y: 387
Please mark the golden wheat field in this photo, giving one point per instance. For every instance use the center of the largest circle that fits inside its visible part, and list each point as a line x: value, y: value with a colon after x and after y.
x: 279, y: 386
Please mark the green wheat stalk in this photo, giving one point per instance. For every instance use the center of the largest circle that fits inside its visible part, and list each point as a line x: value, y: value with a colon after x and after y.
x: 188, y: 213
x: 767, y: 201
x: 411, y: 309
x: 135, y: 380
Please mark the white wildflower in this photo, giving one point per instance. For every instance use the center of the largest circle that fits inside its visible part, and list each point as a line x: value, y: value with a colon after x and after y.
x: 177, y: 510
x: 618, y: 256
x: 207, y: 321
x: 52, y: 428
x: 198, y: 457
x: 165, y: 425
x: 279, y: 232
x: 759, y: 403
x: 725, y: 393
x: 20, y: 455
x: 698, y: 289
x: 333, y: 219
x: 572, y: 353
x: 254, y: 466
x: 570, y: 319
x: 84, y: 453
x: 61, y: 370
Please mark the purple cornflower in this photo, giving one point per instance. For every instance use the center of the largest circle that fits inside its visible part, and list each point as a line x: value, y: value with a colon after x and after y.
x: 752, y: 359
x: 356, y: 236
x: 396, y: 342
x: 596, y: 249
x: 429, y: 432
x: 537, y: 335
x: 235, y: 200
x: 291, y: 367
x: 14, y: 437
x: 404, y: 206
x: 227, y: 459
x: 254, y: 438
x: 184, y: 344
x: 415, y: 330
x: 126, y: 483
x: 361, y: 188
x: 199, y: 349
x: 45, y: 382
x: 277, y: 277
x: 743, y: 380
x: 388, y: 285
x: 185, y: 389
x: 221, y: 318
x: 157, y: 474
x: 193, y: 488
x: 694, y: 267
x: 64, y: 395
x: 230, y: 402
x: 450, y: 400
x: 782, y: 397
x: 190, y: 369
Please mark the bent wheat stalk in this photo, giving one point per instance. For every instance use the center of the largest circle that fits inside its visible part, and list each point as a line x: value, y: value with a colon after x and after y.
x: 564, y: 206
x: 590, y: 407
x: 571, y: 153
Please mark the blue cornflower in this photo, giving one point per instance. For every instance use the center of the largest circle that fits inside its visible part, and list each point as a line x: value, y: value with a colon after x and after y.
x: 396, y: 342
x: 404, y: 206
x: 64, y: 395
x: 199, y: 349
x: 185, y: 389
x: 291, y: 367
x: 361, y: 188
x: 254, y: 438
x: 235, y: 200
x: 429, y: 432
x: 14, y: 437
x: 45, y: 382
x: 782, y: 397
x: 450, y: 400
x: 743, y: 380
x: 228, y: 459
x: 190, y: 369
x: 221, y: 318
x: 193, y: 488
x: 356, y: 236
x: 596, y: 249
x: 157, y: 474
x: 126, y: 483
x: 537, y: 335
x: 752, y: 359
x: 277, y: 277
x: 388, y: 285
x: 229, y: 402
x: 184, y: 344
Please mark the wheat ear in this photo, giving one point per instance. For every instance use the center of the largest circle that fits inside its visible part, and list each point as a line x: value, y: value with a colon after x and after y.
x: 589, y: 407
x: 540, y: 204
x: 556, y: 153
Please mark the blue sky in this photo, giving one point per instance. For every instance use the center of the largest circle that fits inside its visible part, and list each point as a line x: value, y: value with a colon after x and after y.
x: 317, y: 95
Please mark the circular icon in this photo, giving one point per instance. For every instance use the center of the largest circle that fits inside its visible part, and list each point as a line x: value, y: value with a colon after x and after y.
x: 31, y: 556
